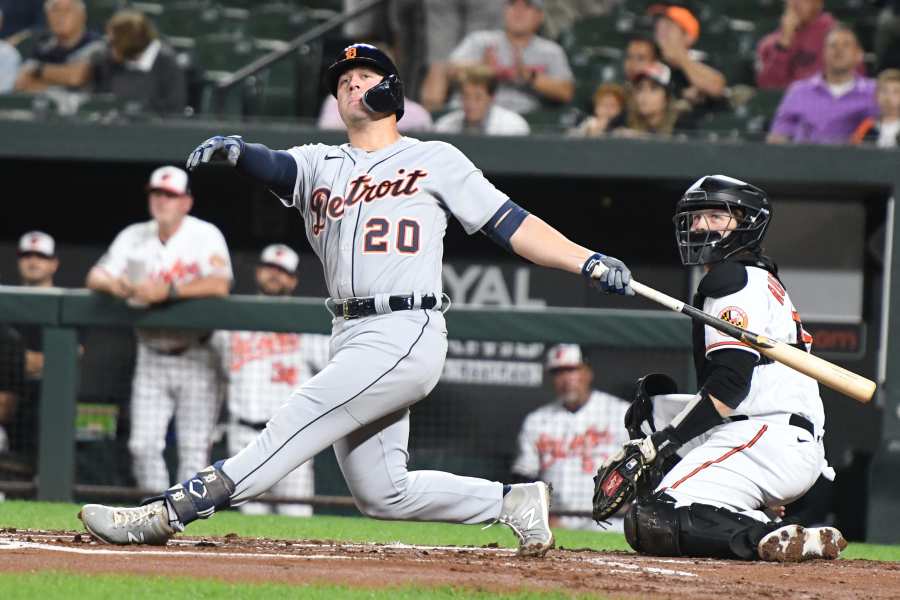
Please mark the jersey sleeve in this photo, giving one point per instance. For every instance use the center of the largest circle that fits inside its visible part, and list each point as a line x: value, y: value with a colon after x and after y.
x: 216, y: 261
x: 528, y: 461
x: 465, y: 191
x: 307, y: 158
x: 115, y: 260
x: 558, y: 65
x: 747, y: 308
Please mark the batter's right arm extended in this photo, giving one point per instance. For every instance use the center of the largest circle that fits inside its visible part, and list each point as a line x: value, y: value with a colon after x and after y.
x: 277, y: 170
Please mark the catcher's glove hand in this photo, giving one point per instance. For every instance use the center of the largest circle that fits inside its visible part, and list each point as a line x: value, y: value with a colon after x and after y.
x: 616, y: 482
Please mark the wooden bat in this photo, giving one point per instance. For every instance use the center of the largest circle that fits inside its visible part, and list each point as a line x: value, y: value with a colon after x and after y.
x: 828, y: 374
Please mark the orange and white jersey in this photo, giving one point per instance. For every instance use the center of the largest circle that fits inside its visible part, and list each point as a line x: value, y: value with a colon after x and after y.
x: 263, y: 368
x: 197, y: 249
x: 764, y: 307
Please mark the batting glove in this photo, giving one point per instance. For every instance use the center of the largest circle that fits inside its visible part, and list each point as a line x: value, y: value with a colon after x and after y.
x: 216, y: 149
x: 610, y: 274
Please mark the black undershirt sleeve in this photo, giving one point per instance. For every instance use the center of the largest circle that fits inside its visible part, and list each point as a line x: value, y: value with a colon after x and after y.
x: 730, y: 371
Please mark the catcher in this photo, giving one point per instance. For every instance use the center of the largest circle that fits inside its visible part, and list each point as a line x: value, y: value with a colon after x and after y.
x: 708, y: 481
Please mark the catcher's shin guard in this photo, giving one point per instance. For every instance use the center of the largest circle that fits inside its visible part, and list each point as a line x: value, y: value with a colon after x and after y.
x: 654, y: 526
x: 199, y: 496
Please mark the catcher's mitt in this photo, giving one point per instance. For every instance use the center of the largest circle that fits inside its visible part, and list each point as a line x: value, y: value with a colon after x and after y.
x: 617, y: 481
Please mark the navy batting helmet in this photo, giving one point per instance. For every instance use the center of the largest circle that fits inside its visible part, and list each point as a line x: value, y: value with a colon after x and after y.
x: 387, y: 96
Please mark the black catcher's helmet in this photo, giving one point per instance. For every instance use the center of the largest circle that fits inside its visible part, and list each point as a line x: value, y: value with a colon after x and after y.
x: 746, y: 203
x: 387, y: 96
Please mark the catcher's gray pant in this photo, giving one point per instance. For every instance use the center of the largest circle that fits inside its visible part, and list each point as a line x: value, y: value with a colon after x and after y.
x: 185, y: 386
x: 380, y: 366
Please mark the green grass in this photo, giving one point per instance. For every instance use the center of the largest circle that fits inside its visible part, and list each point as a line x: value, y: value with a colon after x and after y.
x: 49, y: 585
x: 49, y: 515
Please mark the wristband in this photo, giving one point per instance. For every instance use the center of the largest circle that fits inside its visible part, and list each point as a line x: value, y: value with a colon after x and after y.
x: 588, y: 268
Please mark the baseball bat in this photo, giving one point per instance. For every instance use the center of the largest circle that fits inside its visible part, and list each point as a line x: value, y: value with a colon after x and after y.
x: 828, y: 374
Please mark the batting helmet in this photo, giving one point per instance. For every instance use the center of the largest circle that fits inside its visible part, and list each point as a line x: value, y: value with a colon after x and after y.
x: 747, y: 205
x: 386, y: 96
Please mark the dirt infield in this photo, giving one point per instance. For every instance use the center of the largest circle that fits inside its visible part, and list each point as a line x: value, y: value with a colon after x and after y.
x: 613, y: 574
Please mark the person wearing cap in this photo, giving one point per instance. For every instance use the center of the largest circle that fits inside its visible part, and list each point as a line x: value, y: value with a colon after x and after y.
x: 565, y: 442
x: 652, y: 109
x: 531, y: 69
x: 38, y: 264
x: 261, y: 368
x: 172, y: 256
x: 675, y: 30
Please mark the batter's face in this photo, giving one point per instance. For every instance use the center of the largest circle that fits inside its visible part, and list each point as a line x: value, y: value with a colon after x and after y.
x: 352, y: 85
x: 37, y: 270
x: 573, y: 385
x: 274, y: 281
x: 639, y: 54
x: 522, y: 18
x: 168, y: 209
x: 476, y: 102
x: 713, y: 219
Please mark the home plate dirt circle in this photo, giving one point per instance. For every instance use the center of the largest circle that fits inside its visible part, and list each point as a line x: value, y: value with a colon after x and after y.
x: 612, y: 574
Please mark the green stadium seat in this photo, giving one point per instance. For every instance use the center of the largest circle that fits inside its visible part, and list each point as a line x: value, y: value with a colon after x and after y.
x: 606, y: 31
x: 545, y: 120
x: 279, y: 21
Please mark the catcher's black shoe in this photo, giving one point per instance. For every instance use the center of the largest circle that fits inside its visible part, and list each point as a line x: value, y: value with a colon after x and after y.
x: 147, y: 524
x: 526, y: 510
x: 793, y: 543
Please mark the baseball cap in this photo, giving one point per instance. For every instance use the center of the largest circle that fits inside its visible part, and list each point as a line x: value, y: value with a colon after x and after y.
x: 682, y: 17
x: 169, y: 179
x: 37, y: 242
x: 658, y: 72
x: 281, y: 256
x: 564, y: 356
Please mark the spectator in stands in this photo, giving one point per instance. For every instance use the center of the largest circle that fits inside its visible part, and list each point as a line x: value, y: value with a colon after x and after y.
x: 609, y: 112
x: 829, y: 106
x: 887, y: 35
x: 173, y: 256
x: 479, y: 113
x: 262, y: 368
x: 640, y: 52
x: 21, y: 17
x: 795, y: 50
x: 12, y: 371
x: 138, y: 67
x: 566, y: 441
x: 10, y: 59
x: 530, y: 69
x: 62, y: 56
x: 675, y: 30
x: 447, y: 23
x: 560, y: 15
x: 653, y: 109
x: 884, y: 131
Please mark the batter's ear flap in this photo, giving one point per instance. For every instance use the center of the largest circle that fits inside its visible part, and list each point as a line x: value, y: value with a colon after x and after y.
x: 641, y: 409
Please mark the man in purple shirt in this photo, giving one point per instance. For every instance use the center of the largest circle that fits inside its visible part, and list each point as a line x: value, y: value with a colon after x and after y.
x: 827, y: 107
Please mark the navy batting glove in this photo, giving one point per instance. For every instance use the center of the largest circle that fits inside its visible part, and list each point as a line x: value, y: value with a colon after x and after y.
x: 216, y: 149
x: 608, y: 273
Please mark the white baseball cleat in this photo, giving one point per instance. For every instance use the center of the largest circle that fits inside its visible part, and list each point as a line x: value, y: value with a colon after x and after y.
x: 793, y: 543
x: 141, y: 525
x: 526, y: 510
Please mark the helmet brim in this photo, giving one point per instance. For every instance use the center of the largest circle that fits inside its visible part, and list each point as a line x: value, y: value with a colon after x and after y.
x: 342, y: 66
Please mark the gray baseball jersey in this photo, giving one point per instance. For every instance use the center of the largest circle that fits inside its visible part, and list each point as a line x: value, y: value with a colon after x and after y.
x: 376, y: 220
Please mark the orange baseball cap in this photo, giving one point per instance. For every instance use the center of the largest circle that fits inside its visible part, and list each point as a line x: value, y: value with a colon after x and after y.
x: 680, y: 16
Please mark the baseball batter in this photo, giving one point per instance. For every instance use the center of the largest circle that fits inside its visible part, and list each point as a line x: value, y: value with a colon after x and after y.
x: 172, y: 256
x: 564, y: 442
x: 757, y: 424
x: 375, y: 212
x: 262, y: 368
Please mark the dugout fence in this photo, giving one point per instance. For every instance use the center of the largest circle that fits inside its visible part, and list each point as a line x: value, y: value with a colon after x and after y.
x: 80, y: 415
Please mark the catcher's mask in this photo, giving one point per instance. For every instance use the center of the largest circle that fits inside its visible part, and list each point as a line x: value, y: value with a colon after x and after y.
x: 384, y: 97
x: 745, y: 203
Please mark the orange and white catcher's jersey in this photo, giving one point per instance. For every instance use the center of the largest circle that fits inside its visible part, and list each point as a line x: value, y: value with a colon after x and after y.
x: 764, y: 307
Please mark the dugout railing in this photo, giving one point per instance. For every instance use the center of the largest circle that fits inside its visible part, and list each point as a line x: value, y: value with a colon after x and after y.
x: 61, y: 313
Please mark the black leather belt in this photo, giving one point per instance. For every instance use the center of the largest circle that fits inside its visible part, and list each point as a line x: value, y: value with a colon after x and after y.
x: 354, y: 308
x: 795, y: 420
